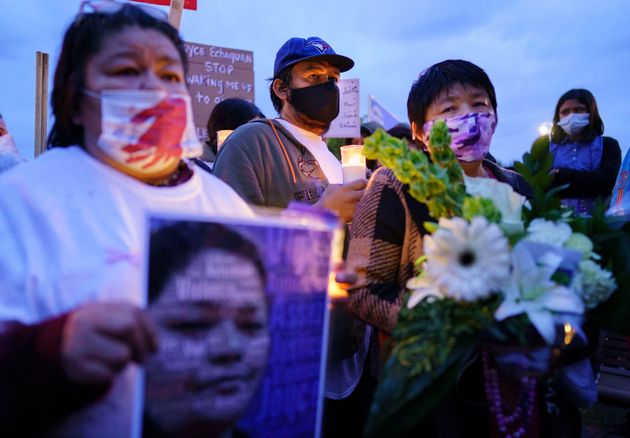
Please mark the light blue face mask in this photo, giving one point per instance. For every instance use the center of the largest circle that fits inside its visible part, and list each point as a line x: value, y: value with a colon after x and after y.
x: 574, y: 123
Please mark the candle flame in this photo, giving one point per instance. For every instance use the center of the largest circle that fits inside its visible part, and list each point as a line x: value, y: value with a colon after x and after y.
x: 335, y: 291
x: 352, y: 155
x: 569, y: 332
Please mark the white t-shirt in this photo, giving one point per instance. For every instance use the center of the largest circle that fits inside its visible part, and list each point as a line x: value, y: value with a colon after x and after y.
x: 72, y: 229
x: 329, y: 164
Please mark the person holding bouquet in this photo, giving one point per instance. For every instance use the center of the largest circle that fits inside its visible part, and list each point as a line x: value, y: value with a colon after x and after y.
x: 388, y: 223
x: 388, y: 226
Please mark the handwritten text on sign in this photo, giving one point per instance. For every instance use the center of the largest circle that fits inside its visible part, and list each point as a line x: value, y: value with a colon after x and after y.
x: 348, y: 122
x: 215, y: 74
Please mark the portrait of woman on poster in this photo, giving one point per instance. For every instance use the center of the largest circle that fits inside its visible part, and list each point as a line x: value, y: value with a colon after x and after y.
x: 208, y: 302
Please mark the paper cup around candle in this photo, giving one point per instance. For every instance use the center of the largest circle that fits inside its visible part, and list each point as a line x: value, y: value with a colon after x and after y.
x: 222, y: 136
x: 352, y: 163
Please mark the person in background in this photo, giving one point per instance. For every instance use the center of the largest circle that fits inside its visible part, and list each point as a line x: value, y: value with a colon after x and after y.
x: 73, y: 224
x: 367, y: 129
x: 9, y: 154
x: 273, y: 162
x: 582, y: 157
x: 402, y: 131
x: 227, y: 115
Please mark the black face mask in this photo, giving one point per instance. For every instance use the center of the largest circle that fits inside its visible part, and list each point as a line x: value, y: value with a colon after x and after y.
x: 318, y: 102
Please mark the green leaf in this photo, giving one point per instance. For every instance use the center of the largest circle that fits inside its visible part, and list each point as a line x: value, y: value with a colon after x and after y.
x: 433, y: 342
x: 431, y: 227
x: 614, y: 248
x: 401, y: 405
x: 436, y: 183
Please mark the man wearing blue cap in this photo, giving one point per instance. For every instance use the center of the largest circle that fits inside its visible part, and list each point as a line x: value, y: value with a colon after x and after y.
x: 273, y: 162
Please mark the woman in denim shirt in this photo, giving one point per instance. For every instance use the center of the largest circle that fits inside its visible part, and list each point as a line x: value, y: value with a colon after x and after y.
x: 582, y: 157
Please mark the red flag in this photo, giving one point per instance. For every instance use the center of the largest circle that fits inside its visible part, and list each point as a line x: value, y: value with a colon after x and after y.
x: 188, y: 4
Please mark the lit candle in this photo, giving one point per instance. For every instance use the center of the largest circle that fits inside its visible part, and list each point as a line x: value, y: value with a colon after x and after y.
x: 222, y: 135
x: 335, y: 291
x: 352, y: 163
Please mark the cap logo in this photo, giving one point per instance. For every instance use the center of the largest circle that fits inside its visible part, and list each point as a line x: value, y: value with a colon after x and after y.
x: 320, y: 45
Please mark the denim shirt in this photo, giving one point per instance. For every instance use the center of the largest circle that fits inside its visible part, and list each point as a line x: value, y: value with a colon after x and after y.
x: 578, y: 156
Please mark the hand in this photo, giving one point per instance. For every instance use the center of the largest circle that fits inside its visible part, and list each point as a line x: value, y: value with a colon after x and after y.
x: 100, y: 339
x: 344, y: 277
x: 344, y: 280
x: 342, y: 199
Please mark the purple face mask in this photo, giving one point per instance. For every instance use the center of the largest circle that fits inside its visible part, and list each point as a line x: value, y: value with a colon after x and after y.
x: 470, y: 135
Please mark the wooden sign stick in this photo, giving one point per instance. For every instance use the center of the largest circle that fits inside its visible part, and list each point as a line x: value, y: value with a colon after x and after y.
x: 175, y: 13
x: 41, y: 101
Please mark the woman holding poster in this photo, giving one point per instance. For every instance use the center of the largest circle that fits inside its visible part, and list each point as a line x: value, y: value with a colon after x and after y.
x: 72, y: 224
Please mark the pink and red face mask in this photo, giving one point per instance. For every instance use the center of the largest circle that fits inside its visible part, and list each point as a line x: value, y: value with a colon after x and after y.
x: 146, y: 130
x: 471, y: 134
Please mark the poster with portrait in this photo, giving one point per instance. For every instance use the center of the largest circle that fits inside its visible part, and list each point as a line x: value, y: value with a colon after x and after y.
x: 240, y: 309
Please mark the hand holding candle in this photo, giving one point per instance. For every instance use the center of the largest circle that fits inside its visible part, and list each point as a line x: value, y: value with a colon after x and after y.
x: 353, y: 163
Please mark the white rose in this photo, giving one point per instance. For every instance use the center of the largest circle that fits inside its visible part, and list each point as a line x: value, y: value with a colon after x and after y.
x: 551, y: 233
x: 594, y: 284
x: 582, y: 243
x: 509, y: 203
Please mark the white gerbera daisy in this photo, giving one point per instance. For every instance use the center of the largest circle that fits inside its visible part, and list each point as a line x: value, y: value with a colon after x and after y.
x: 467, y: 261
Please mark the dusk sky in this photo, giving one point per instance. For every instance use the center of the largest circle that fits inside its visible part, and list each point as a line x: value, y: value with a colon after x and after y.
x: 533, y: 52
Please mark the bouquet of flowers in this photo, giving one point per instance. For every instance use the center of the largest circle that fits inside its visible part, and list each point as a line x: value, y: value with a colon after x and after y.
x: 499, y: 273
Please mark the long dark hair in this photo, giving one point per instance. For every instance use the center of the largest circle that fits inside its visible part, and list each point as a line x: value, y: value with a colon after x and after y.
x: 83, y: 39
x: 595, y: 126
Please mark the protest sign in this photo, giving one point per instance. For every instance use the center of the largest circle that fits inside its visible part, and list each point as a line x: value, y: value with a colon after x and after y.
x: 377, y: 113
x: 348, y: 122
x: 188, y: 4
x: 241, y: 313
x: 215, y: 74
x: 619, y: 210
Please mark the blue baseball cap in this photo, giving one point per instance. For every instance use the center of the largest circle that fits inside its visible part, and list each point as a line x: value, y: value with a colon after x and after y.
x: 314, y: 48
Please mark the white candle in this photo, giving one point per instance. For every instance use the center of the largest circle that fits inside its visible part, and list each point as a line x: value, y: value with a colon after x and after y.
x: 352, y: 163
x: 351, y: 173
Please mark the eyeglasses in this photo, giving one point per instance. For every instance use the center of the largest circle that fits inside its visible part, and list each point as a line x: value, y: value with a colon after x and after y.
x: 112, y: 6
